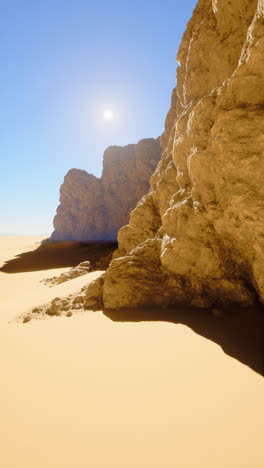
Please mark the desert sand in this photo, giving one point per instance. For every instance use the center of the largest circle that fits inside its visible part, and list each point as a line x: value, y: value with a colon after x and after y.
x: 87, y: 391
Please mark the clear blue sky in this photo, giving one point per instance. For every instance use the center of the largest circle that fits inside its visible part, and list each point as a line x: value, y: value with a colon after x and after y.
x: 63, y: 62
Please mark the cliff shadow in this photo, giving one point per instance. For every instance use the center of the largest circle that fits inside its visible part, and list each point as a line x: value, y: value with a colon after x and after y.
x: 61, y: 255
x: 239, y: 332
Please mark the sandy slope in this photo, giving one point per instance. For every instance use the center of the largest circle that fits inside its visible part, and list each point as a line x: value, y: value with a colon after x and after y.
x: 88, y: 392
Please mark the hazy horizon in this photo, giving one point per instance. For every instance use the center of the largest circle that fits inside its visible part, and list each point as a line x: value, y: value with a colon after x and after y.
x: 34, y: 234
x: 64, y: 64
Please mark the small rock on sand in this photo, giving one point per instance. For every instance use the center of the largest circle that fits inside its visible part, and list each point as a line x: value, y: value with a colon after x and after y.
x: 27, y: 319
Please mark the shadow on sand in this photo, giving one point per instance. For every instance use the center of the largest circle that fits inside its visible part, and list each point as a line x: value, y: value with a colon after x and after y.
x: 58, y: 255
x: 240, y: 332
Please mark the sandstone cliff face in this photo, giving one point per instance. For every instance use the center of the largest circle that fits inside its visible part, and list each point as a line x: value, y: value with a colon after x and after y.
x: 197, y: 236
x: 94, y: 209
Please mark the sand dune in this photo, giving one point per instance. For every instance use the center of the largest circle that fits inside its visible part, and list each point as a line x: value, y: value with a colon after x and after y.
x: 87, y: 391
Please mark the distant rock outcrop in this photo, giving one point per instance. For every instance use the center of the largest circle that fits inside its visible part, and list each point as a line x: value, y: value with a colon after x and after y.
x: 197, y: 237
x: 94, y: 209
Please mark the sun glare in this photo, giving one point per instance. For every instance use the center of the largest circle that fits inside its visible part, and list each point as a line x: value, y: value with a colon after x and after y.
x: 108, y: 114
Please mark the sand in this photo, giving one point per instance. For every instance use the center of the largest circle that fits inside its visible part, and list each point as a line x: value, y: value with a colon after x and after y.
x: 86, y: 391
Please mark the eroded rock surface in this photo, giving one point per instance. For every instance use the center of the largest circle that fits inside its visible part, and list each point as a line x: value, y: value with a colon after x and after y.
x: 197, y: 236
x: 82, y: 269
x: 94, y: 209
x: 88, y: 298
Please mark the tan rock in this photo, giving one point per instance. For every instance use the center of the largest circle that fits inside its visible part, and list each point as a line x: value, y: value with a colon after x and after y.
x: 54, y: 308
x: 93, y: 293
x: 78, y: 299
x: 27, y: 319
x: 80, y: 270
x: 197, y: 236
x: 94, y: 209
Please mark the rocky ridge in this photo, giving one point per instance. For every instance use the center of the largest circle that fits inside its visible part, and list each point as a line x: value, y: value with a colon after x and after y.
x: 197, y: 236
x: 75, y: 272
x: 94, y: 209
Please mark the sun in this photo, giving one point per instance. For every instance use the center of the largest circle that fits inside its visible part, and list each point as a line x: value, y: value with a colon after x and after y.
x: 108, y: 114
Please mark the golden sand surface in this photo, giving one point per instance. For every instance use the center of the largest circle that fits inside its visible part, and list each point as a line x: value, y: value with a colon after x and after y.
x: 88, y: 392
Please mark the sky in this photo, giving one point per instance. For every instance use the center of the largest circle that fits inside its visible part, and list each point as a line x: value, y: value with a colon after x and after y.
x: 64, y: 62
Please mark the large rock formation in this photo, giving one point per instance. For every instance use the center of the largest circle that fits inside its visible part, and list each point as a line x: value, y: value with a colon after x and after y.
x: 94, y: 209
x: 197, y: 236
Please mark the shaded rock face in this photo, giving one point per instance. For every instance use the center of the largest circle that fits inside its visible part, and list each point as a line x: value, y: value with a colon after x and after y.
x: 94, y: 209
x: 197, y: 237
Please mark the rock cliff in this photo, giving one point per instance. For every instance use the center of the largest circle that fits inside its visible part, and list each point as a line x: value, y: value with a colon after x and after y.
x: 94, y: 209
x: 197, y: 236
